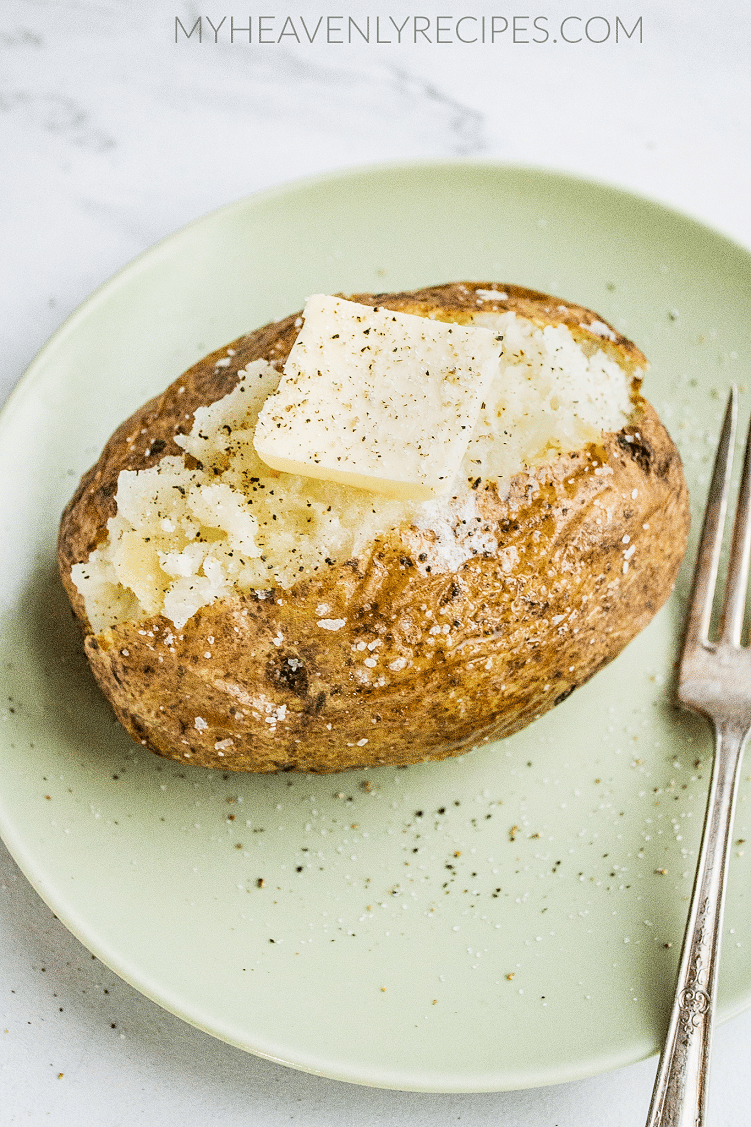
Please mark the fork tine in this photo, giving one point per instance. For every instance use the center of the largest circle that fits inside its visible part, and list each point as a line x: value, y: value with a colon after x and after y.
x: 708, y: 556
x: 734, y: 603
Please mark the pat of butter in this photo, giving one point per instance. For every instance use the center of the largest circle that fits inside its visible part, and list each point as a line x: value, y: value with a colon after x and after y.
x: 376, y: 399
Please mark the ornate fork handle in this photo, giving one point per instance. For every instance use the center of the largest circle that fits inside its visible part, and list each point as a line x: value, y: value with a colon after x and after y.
x: 679, y: 1096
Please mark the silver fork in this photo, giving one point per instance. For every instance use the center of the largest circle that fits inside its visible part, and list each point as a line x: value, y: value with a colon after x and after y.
x: 715, y: 681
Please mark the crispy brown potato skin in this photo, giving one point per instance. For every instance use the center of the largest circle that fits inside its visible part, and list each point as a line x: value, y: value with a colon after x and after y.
x: 528, y: 623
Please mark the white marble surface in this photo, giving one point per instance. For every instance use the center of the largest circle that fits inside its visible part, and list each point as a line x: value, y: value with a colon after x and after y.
x: 111, y: 136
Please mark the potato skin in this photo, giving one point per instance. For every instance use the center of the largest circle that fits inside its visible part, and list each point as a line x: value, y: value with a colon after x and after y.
x: 429, y: 661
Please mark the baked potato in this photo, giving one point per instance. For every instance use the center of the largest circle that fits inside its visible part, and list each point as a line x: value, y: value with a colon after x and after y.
x: 358, y: 630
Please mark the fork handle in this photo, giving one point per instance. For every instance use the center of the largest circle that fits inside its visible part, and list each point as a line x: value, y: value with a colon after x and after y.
x: 679, y: 1095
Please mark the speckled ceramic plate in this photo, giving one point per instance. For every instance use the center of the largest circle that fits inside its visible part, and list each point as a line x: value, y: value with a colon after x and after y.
x: 506, y: 919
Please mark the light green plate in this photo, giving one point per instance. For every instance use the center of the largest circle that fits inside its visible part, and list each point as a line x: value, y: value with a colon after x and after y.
x: 507, y: 919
